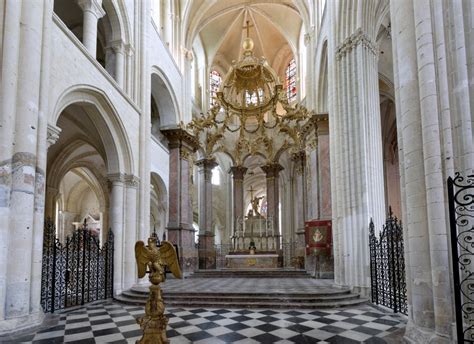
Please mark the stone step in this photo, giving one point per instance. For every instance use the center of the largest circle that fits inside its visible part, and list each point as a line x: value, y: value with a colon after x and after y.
x: 243, y: 298
x: 319, y: 297
x: 143, y: 292
x: 265, y: 304
x: 234, y: 273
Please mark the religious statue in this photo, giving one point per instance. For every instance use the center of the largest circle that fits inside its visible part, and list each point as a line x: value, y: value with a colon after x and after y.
x: 153, y: 323
x: 255, y: 205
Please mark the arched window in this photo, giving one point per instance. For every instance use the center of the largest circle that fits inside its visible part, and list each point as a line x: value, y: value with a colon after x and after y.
x: 291, y: 81
x: 215, y: 81
x: 216, y: 176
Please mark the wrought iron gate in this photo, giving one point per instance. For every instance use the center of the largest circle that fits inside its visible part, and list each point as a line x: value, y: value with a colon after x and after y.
x: 387, y: 265
x: 76, y: 272
x: 461, y: 218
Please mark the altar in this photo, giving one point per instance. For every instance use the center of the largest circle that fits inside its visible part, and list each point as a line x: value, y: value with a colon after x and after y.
x: 251, y: 261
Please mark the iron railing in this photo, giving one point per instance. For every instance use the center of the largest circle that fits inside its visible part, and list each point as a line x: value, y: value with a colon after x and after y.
x: 387, y: 265
x: 461, y: 218
x: 76, y: 272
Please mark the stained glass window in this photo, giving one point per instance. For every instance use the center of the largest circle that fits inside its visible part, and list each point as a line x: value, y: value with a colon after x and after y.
x: 215, y: 81
x: 291, y: 81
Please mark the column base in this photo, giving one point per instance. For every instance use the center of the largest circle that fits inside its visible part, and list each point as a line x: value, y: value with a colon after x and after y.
x: 187, y: 252
x: 206, y: 251
x: 415, y: 334
x: 24, y: 323
x: 321, y: 267
x: 301, y: 249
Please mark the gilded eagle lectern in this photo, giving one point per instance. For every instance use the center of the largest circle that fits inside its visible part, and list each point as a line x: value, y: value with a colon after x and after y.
x: 154, y: 322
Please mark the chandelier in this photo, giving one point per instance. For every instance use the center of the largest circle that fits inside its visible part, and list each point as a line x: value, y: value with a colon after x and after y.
x: 251, y: 115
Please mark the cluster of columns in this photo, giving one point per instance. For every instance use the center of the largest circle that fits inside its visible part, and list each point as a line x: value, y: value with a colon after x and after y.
x: 356, y: 155
x: 434, y: 122
x: 182, y: 146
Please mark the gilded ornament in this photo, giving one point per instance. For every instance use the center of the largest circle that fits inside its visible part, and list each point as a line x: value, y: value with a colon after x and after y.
x: 153, y: 323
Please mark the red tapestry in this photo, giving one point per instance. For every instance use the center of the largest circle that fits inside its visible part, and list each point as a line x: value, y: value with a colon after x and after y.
x: 318, y: 237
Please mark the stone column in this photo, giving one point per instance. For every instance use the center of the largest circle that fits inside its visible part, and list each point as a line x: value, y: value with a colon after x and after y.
x: 144, y: 92
x: 93, y: 11
x: 238, y: 173
x: 207, y: 254
x: 272, y: 172
x: 420, y: 133
x: 356, y: 153
x: 130, y: 231
x: 180, y: 220
x: 23, y: 163
x: 117, y: 226
x: 300, y: 197
x: 118, y: 49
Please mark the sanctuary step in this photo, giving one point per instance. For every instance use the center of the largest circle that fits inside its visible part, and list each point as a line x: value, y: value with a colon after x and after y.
x: 221, y: 293
x: 242, y: 273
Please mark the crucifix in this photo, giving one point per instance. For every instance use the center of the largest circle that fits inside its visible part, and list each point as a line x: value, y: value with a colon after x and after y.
x: 254, y: 201
x: 247, y: 27
x: 251, y: 190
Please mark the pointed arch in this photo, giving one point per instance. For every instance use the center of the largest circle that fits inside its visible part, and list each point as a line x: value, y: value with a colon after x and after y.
x: 102, y: 113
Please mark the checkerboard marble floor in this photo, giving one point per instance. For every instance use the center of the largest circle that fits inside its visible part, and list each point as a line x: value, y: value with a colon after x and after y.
x: 110, y: 322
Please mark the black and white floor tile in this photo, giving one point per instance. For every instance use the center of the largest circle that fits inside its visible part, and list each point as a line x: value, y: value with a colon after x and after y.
x: 109, y: 322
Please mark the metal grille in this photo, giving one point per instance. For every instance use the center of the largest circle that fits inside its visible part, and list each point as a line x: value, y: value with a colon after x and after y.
x: 76, y: 272
x: 387, y: 265
x: 461, y: 218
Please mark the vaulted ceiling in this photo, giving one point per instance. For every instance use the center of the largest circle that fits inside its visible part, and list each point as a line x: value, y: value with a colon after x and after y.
x: 275, y: 27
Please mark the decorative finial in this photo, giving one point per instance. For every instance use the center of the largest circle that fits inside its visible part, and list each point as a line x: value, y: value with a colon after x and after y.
x: 248, y: 44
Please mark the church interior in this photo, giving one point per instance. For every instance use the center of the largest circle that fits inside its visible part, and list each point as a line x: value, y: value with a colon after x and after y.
x: 237, y: 171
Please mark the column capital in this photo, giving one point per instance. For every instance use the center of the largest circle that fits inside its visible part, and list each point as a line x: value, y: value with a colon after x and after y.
x: 131, y: 180
x: 206, y: 164
x: 308, y: 36
x: 272, y: 170
x: 116, y: 177
x: 53, y: 134
x: 321, y: 123
x: 93, y: 6
x: 118, y: 46
x: 359, y: 37
x: 298, y: 156
x: 179, y: 138
x: 238, y: 172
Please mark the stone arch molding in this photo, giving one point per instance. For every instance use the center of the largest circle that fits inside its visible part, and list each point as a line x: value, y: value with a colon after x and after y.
x: 105, y: 117
x: 119, y: 21
x: 165, y: 97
